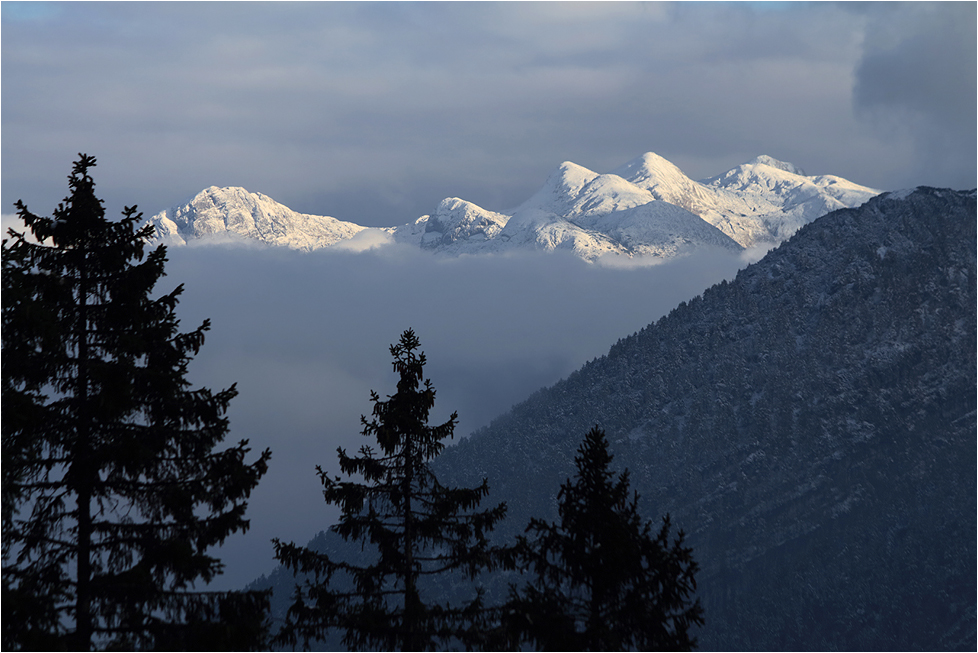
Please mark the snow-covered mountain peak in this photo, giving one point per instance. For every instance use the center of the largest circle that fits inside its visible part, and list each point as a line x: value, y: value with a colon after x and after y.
x: 770, y: 199
x: 572, y: 176
x: 628, y: 212
x: 572, y: 190
x: 650, y: 171
x: 607, y: 194
x: 228, y: 196
x: 775, y: 163
x: 457, y: 220
x: 756, y: 174
x: 561, y: 188
x: 232, y: 211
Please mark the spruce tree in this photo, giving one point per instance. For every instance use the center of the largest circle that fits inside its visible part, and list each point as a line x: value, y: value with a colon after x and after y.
x: 113, y: 490
x: 419, y: 528
x: 601, y: 579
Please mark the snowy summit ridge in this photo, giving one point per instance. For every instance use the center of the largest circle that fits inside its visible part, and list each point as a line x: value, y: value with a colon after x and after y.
x: 235, y: 213
x: 647, y: 207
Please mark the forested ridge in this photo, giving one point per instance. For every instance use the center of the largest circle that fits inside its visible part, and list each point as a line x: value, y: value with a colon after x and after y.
x: 810, y: 424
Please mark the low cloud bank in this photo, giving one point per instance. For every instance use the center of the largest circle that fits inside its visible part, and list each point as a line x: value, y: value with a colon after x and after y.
x: 306, y: 335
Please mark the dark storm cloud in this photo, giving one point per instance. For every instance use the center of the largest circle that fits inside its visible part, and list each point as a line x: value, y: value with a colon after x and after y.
x: 306, y: 337
x: 375, y: 112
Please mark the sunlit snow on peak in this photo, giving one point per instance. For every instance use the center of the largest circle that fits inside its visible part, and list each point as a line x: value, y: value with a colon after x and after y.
x: 775, y: 163
x: 591, y: 214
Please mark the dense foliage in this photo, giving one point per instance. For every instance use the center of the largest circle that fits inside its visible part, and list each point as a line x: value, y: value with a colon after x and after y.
x: 418, y: 527
x: 602, y: 581
x: 113, y: 490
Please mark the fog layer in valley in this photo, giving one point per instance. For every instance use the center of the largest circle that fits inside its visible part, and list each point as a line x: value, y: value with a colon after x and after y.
x: 306, y: 337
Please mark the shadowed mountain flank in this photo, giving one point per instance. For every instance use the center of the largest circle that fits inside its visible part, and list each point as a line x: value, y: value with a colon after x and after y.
x: 811, y: 425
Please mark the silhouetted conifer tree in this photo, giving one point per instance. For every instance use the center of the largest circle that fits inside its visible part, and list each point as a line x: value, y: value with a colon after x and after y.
x: 603, y: 581
x: 418, y: 526
x: 112, y: 489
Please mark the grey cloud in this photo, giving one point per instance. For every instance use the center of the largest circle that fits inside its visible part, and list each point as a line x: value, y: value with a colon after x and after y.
x: 922, y: 59
x: 917, y: 76
x: 375, y: 112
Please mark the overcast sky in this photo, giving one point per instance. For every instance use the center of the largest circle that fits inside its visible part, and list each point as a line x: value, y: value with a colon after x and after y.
x: 374, y: 112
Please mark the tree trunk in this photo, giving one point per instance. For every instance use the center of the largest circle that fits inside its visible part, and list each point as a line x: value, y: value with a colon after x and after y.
x: 83, y: 462
x: 411, y: 598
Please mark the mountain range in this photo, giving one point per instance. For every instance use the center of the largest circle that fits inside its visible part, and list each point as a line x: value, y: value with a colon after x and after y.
x: 647, y: 207
x: 810, y: 425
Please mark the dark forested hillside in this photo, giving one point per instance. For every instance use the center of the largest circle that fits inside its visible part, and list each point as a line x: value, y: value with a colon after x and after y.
x: 811, y: 425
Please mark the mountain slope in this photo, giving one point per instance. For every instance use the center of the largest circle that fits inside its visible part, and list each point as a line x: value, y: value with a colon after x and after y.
x: 648, y: 207
x: 457, y: 221
x: 779, y: 198
x: 235, y: 213
x: 761, y: 201
x: 811, y: 426
x: 595, y: 215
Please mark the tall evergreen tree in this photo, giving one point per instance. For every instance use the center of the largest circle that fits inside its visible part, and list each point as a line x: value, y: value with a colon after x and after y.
x: 113, y: 491
x: 603, y: 581
x: 419, y: 527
